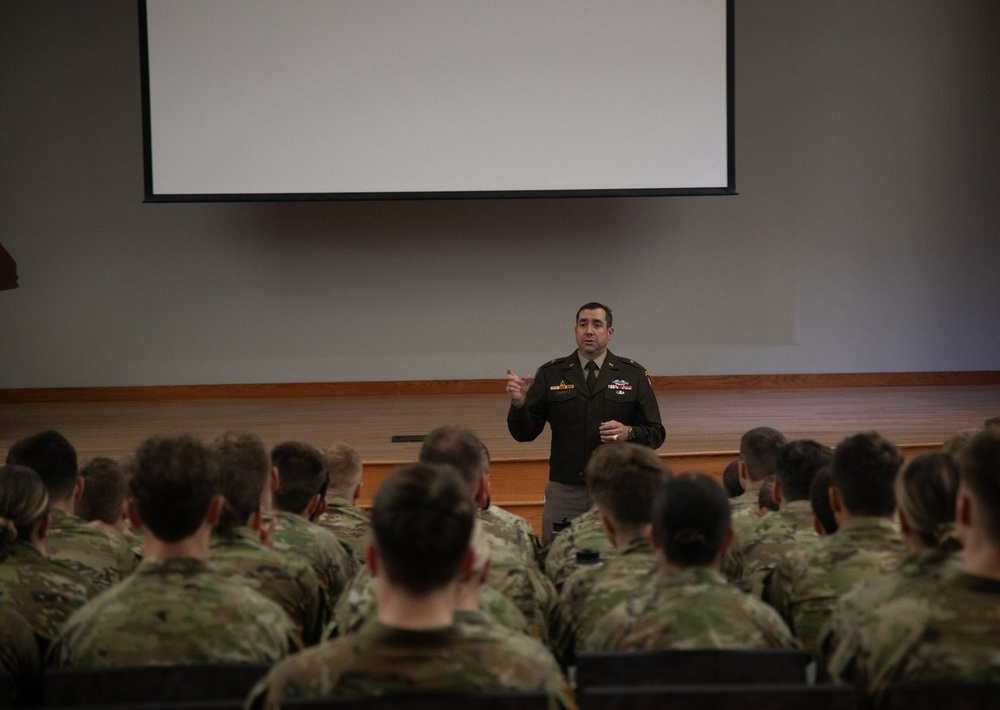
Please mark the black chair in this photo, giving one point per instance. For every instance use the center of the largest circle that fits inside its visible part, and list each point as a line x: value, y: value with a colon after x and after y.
x: 431, y: 701
x: 950, y: 695
x: 719, y: 697
x: 703, y: 667
x: 207, y: 685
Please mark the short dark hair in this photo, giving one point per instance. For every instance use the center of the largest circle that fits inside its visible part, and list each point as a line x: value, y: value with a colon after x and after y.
x: 52, y: 457
x: 819, y: 500
x: 926, y: 489
x: 302, y: 474
x: 244, y: 467
x: 593, y: 306
x: 23, y: 502
x: 765, y: 496
x: 459, y: 448
x: 691, y: 516
x: 623, y: 479
x: 864, y: 470
x: 980, y: 473
x: 759, y: 449
x: 104, y: 491
x: 172, y: 485
x: 798, y: 463
x: 731, y: 479
x: 422, y: 520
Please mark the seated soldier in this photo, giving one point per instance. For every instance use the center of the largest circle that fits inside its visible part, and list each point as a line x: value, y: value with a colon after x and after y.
x: 298, y: 500
x: 584, y: 532
x: 104, y: 559
x: 688, y: 604
x: 501, y: 524
x: 791, y: 526
x: 945, y: 629
x: 343, y: 516
x: 102, y: 503
x: 44, y: 591
x: 622, y: 479
x: 423, y: 518
x: 175, y: 609
x: 759, y: 449
x: 236, y: 547
x: 807, y: 583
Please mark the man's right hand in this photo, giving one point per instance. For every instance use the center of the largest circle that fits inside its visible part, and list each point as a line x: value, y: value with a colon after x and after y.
x: 517, y: 388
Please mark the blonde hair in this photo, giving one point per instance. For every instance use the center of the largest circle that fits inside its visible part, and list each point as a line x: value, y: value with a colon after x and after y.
x: 23, y: 501
x: 926, y: 489
x: 343, y: 464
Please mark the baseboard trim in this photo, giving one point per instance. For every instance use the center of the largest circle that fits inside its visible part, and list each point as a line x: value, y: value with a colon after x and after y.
x: 428, y: 388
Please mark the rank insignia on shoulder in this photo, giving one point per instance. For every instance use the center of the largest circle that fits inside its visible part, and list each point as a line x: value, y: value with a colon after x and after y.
x: 620, y: 386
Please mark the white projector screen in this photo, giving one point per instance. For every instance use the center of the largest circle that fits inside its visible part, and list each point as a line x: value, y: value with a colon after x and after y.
x: 368, y: 99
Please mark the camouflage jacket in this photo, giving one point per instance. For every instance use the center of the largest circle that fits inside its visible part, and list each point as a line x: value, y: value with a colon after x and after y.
x: 381, y: 660
x: 281, y: 577
x: 524, y: 584
x: 19, y: 659
x: 805, y: 586
x: 938, y: 631
x: 837, y: 645
x: 45, y: 592
x: 104, y: 558
x: 746, y: 512
x: 692, y: 609
x: 174, y: 612
x: 585, y: 532
x: 332, y: 562
x: 767, y: 544
x: 350, y: 523
x: 512, y: 529
x: 591, y: 592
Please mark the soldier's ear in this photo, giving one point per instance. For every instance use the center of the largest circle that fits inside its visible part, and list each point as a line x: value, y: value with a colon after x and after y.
x: 468, y: 562
x: 727, y: 543
x: 776, y: 491
x: 41, y: 528
x: 78, y: 487
x: 215, y: 508
x: 313, y: 507
x: 132, y: 513
x: 609, y: 526
x: 372, y: 559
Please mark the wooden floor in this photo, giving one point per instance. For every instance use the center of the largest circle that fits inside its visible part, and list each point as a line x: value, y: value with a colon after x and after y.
x: 703, y: 427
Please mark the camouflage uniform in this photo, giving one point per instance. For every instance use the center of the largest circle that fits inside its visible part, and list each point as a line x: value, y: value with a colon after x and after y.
x: 332, y: 562
x: 356, y: 607
x: 174, y: 612
x: 104, y: 558
x: 806, y: 585
x: 837, y: 643
x: 350, y: 523
x: 381, y: 660
x: 19, y: 659
x: 585, y: 532
x: 280, y: 577
x: 774, y: 536
x: 591, y: 592
x: 513, y: 529
x: 45, y: 592
x: 746, y: 511
x: 692, y: 609
x: 940, y: 630
x: 524, y: 584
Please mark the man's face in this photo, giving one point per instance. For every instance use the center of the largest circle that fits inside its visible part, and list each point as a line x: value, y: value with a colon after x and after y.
x: 592, y: 332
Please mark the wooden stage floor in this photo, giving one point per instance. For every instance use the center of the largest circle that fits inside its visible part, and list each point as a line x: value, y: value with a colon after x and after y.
x: 703, y: 427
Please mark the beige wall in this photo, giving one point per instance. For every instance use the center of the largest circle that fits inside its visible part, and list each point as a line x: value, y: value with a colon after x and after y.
x: 865, y: 236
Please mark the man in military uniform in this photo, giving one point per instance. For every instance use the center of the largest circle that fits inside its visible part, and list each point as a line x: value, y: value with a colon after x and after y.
x: 343, y: 516
x: 806, y: 585
x: 584, y: 532
x: 423, y: 518
x: 688, y: 604
x: 791, y: 526
x: 175, y: 609
x: 236, y: 548
x: 103, y: 558
x: 623, y: 479
x: 759, y: 450
x: 588, y: 398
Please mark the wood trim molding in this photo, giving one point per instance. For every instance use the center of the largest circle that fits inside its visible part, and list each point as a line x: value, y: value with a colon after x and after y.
x: 427, y: 388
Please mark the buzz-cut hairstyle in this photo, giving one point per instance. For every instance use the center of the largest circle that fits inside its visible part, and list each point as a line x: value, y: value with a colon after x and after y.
x: 422, y: 520
x: 819, y: 500
x: 301, y: 475
x: 172, y: 485
x: 104, y: 491
x: 50, y: 455
x: 459, y: 448
x: 623, y: 478
x: 244, y: 467
x: 864, y: 471
x: 798, y: 463
x: 979, y: 470
x: 759, y: 450
x: 691, y: 517
x: 593, y: 306
x: 343, y: 466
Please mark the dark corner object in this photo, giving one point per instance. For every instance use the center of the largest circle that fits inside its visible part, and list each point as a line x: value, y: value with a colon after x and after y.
x: 8, y: 270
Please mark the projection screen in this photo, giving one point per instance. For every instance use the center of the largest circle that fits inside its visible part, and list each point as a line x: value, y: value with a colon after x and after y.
x: 388, y: 99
